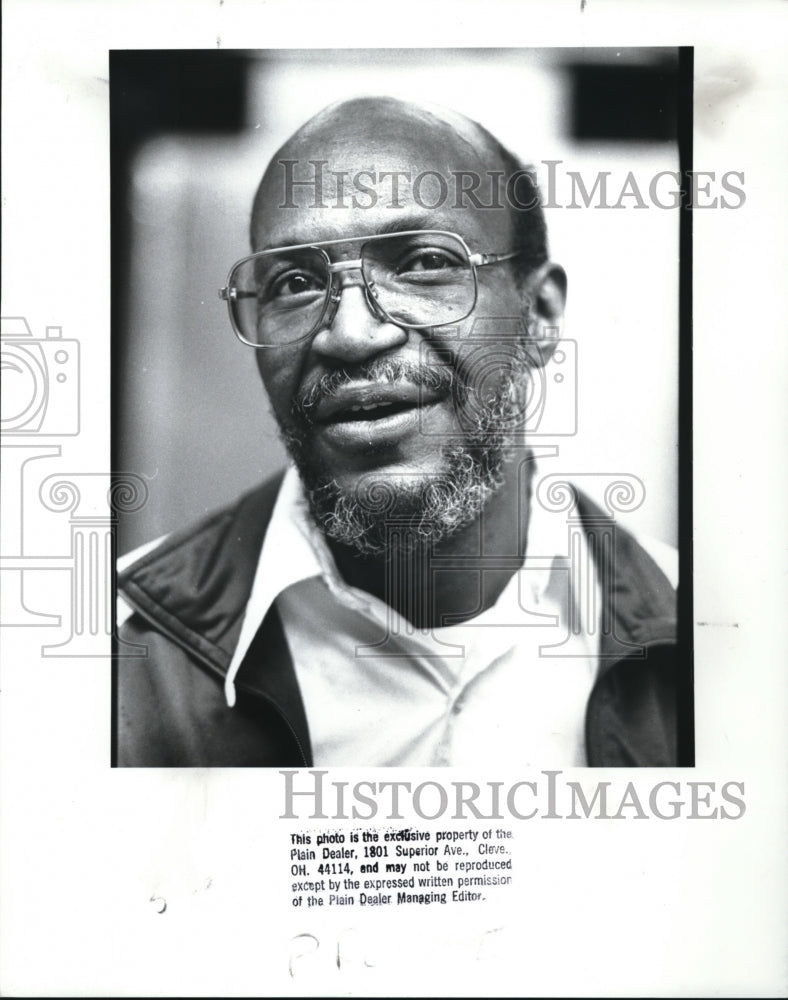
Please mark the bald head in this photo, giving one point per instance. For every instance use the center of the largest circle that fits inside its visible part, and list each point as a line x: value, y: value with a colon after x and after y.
x: 356, y: 121
x: 380, y: 152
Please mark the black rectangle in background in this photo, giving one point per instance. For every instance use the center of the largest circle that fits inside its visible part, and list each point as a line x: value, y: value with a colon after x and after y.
x: 686, y: 690
x: 639, y: 101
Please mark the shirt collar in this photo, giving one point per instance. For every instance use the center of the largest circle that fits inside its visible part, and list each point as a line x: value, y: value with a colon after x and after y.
x: 294, y: 549
x: 289, y: 555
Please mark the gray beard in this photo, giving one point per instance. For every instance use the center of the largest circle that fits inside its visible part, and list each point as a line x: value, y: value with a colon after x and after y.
x: 378, y: 516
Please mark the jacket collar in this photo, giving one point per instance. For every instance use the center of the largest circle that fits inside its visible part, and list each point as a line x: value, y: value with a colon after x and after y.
x: 195, y: 588
x: 195, y: 585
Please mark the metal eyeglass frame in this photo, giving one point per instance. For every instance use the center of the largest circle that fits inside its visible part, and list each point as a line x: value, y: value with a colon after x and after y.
x: 334, y: 290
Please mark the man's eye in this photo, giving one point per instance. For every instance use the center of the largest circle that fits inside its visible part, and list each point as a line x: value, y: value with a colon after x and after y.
x: 294, y: 283
x: 427, y: 260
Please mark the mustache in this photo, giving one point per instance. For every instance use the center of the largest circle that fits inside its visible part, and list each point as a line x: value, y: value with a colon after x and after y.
x: 440, y: 379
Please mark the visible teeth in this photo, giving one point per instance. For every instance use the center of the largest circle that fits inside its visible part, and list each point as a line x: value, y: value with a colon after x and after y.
x: 367, y: 406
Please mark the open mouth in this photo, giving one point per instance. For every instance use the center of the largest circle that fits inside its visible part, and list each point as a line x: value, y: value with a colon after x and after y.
x: 372, y: 401
x: 371, y: 411
x: 361, y: 415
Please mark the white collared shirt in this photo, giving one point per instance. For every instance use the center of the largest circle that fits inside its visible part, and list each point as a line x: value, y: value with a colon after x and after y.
x: 508, y: 686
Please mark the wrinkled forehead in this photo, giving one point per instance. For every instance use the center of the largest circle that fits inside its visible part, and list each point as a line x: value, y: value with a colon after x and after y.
x: 369, y: 166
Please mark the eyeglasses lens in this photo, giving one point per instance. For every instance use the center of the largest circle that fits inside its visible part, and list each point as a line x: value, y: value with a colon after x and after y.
x: 420, y: 280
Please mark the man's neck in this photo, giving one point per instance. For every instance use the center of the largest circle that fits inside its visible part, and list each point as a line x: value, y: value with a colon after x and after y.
x: 439, y: 584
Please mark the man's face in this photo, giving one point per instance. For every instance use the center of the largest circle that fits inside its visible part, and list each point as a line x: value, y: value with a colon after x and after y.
x: 366, y: 401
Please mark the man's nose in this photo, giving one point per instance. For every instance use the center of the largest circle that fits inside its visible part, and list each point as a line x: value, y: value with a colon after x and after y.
x: 355, y: 333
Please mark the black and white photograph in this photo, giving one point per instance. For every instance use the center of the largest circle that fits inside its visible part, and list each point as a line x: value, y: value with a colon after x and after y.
x: 417, y: 549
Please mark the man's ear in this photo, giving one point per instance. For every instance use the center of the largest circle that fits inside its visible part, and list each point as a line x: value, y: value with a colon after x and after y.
x: 546, y: 292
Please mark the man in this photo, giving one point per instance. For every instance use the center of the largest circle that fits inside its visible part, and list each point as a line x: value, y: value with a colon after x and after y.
x: 400, y: 597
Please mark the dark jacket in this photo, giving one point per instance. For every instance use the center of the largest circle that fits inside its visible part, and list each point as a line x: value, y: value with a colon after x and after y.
x: 189, y: 597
